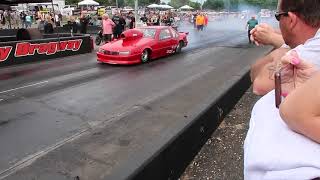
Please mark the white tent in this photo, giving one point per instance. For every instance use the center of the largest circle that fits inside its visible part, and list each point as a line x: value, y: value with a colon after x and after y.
x: 165, y: 7
x: 88, y: 3
x: 186, y: 7
x: 153, y: 6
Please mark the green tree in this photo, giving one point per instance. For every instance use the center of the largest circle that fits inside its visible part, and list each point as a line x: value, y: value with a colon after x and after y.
x: 270, y: 4
x: 178, y: 3
x: 214, y: 4
x: 234, y: 4
x: 121, y: 3
x: 195, y: 5
x: 140, y: 2
x: 72, y: 1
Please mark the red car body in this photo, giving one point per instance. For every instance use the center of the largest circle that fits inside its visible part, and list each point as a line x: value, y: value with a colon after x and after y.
x: 134, y: 44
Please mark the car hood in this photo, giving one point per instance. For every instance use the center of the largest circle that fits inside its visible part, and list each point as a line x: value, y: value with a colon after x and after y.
x: 127, y: 45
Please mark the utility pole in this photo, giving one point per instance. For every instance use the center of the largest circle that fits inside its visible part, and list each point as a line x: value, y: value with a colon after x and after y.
x: 136, y: 12
x: 117, y: 4
x: 227, y: 5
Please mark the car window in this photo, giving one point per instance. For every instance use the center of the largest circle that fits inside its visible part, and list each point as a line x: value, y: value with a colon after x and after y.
x: 148, y: 32
x: 164, y: 34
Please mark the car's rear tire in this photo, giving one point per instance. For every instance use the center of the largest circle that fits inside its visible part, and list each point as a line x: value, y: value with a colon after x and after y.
x: 179, y: 47
x: 98, y: 40
x: 145, y: 56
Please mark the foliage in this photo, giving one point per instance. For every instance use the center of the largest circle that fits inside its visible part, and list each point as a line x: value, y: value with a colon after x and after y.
x: 121, y: 3
x: 195, y: 5
x: 208, y: 4
x: 214, y: 4
x: 72, y: 1
x: 140, y: 2
x: 178, y: 3
x: 234, y: 5
x: 263, y: 3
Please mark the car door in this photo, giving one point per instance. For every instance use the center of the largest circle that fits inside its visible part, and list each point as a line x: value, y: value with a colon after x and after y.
x: 165, y: 42
x: 174, y: 40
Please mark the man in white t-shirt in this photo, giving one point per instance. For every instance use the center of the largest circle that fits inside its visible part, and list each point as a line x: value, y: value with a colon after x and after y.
x: 299, y: 27
x: 272, y: 150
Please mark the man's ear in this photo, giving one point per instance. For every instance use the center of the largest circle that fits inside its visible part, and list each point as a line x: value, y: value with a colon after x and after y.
x: 293, y: 20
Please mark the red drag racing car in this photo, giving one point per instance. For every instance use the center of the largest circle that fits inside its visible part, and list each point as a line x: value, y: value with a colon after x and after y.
x: 142, y: 44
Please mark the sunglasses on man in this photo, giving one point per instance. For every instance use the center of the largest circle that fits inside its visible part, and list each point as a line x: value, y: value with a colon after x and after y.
x: 279, y: 14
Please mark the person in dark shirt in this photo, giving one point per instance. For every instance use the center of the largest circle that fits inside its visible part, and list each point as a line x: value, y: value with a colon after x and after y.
x: 23, y: 19
x: 194, y: 18
x: 2, y: 20
x: 144, y: 18
x: 132, y: 20
x: 48, y: 26
x: 157, y: 23
x: 250, y: 25
x: 84, y: 21
x: 120, y: 23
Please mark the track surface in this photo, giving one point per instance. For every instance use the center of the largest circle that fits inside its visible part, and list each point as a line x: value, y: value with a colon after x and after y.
x: 43, y: 104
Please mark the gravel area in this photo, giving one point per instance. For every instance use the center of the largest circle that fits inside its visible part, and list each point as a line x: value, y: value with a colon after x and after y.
x: 222, y: 156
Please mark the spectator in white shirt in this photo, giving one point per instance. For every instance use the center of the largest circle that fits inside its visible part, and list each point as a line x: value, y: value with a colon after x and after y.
x: 282, y: 147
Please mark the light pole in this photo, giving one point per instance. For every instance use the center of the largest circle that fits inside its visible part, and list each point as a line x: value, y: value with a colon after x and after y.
x: 135, y: 12
x: 227, y: 5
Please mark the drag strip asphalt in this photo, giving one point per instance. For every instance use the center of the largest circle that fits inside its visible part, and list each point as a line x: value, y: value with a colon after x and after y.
x: 46, y: 104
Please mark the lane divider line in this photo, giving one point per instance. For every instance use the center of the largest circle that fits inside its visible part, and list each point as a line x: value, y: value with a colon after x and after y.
x: 30, y: 85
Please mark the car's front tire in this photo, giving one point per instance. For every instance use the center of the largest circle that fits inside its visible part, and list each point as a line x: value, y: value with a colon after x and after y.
x: 145, y: 56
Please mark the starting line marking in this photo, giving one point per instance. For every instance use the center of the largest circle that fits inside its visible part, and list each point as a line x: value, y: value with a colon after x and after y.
x: 30, y: 85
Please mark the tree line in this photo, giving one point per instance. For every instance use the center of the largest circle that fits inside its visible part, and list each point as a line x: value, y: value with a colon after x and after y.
x: 235, y: 5
x: 231, y: 5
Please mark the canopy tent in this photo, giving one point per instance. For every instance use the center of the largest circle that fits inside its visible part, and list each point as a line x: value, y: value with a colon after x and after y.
x: 156, y: 6
x: 88, y: 3
x: 165, y: 6
x: 186, y: 7
x: 153, y: 6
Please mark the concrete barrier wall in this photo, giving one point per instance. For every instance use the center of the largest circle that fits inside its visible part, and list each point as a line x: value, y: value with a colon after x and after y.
x: 188, y: 142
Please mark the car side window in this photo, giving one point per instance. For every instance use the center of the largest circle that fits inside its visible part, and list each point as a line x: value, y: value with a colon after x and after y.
x: 164, y: 34
x: 175, y: 34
